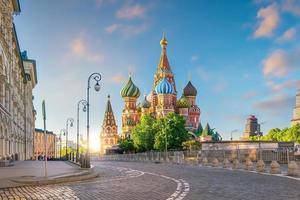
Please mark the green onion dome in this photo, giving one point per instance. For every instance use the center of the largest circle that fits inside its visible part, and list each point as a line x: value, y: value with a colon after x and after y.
x: 145, y: 103
x: 190, y: 90
x: 164, y: 87
x: 182, y: 103
x: 130, y: 90
x: 130, y: 122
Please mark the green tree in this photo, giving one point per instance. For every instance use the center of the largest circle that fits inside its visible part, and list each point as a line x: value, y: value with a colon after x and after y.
x: 143, y: 134
x: 284, y: 135
x: 172, y: 129
x: 191, y: 145
x: 126, y: 145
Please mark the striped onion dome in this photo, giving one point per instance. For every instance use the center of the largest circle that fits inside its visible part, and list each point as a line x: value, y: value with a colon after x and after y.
x: 189, y: 90
x: 182, y: 103
x: 130, y: 90
x: 145, y: 103
x: 164, y: 87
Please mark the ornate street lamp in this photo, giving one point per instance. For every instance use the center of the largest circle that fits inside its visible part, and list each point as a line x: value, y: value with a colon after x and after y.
x: 84, y: 104
x: 71, y: 121
x: 96, y: 77
x: 62, y: 131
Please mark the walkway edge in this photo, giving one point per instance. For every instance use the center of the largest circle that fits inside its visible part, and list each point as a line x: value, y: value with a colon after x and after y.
x: 90, y: 174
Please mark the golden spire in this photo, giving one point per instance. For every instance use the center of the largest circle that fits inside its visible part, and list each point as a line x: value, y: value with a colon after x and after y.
x: 163, y: 61
x: 163, y: 41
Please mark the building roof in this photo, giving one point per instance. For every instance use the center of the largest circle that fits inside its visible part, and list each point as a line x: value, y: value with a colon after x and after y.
x: 145, y: 103
x: 42, y: 131
x: 25, y: 58
x: 164, y: 87
x: 16, y: 6
x: 130, y: 89
x: 163, y: 61
x: 189, y: 90
x: 182, y: 102
x: 109, y: 118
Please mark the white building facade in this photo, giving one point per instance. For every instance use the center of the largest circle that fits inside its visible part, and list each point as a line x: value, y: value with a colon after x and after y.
x: 17, y: 79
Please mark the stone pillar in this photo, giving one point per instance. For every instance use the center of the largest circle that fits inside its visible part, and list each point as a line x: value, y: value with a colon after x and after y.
x: 248, y: 165
x: 226, y: 163
x: 275, y: 168
x: 236, y: 164
x: 260, y: 166
x: 293, y: 169
x: 215, y: 162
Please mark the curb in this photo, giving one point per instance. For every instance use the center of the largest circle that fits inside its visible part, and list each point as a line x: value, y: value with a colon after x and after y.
x: 61, y: 179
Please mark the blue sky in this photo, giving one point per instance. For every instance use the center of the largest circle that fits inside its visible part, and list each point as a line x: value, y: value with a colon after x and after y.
x: 243, y: 56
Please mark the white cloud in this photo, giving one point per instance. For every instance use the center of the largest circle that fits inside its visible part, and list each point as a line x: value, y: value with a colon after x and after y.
x: 279, y: 63
x: 278, y: 87
x: 268, y: 21
x: 291, y: 6
x: 288, y: 35
x: 79, y: 49
x: 130, y: 12
x: 275, y: 104
x: 118, y: 79
x: 112, y: 28
x: 127, y: 30
x: 276, y: 64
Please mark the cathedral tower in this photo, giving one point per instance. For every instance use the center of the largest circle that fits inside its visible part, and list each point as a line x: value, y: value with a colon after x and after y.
x: 109, y: 133
x: 165, y: 94
x: 296, y: 112
x: 190, y: 92
x: 163, y: 71
x: 130, y: 116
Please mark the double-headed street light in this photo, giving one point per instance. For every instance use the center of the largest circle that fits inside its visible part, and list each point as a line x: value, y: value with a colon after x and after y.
x: 62, y: 131
x: 96, y: 77
x: 84, y: 104
x: 69, y: 121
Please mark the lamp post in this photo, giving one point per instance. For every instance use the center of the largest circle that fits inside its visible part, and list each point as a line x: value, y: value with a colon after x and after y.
x: 84, y: 103
x: 71, y: 121
x: 60, y: 139
x: 96, y: 77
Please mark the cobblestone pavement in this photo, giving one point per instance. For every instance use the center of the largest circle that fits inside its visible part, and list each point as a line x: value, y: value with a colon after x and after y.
x: 139, y: 181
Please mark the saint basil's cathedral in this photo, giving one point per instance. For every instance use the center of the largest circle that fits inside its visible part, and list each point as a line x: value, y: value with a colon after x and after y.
x: 161, y: 101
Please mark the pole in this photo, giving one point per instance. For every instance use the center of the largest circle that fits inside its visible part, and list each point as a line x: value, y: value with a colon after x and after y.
x: 45, y: 137
x: 67, y: 140
x: 77, y: 150
x: 60, y: 146
x: 88, y: 127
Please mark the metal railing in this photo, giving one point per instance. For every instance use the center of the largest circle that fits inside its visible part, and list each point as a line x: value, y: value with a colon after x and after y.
x: 281, y: 155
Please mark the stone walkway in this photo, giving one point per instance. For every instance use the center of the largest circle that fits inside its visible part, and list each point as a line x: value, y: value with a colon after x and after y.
x: 34, y: 169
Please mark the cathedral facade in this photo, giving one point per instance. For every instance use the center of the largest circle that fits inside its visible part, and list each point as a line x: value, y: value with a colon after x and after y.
x: 162, y: 98
x: 109, y: 132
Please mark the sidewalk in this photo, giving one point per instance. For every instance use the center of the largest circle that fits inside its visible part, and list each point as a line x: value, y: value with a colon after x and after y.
x: 33, y: 172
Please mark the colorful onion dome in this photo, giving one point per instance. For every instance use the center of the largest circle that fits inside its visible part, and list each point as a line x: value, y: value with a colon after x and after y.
x: 164, y: 87
x: 130, y: 90
x: 130, y: 122
x: 145, y: 103
x: 189, y: 90
x: 182, y: 103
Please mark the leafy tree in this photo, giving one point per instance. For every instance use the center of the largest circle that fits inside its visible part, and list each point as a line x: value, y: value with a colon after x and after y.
x: 191, y: 145
x: 284, y: 135
x: 126, y: 144
x: 143, y: 134
x: 172, y: 129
